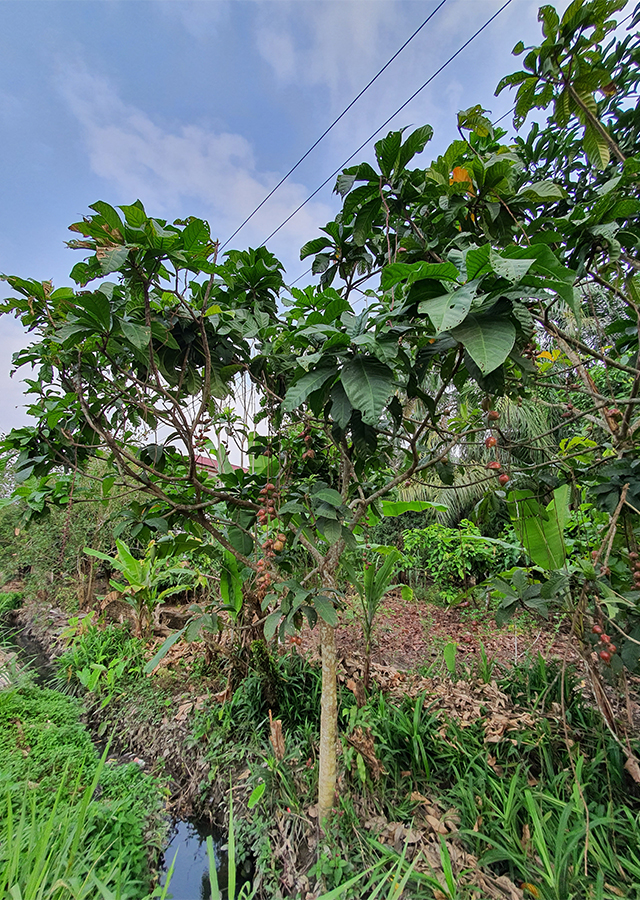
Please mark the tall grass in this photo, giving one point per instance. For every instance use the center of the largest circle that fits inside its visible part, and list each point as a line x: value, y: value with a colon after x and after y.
x: 66, y: 851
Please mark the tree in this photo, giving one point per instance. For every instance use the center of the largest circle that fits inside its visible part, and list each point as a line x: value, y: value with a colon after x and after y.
x: 477, y: 256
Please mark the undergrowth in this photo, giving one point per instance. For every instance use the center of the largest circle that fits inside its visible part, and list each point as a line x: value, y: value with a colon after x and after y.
x: 549, y: 804
x: 72, y: 825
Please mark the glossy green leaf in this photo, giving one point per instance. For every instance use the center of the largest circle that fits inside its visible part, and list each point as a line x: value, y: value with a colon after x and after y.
x: 411, y: 272
x: 341, y: 408
x: 134, y: 214
x: 399, y: 507
x: 415, y: 143
x: 541, y: 531
x: 487, y: 341
x: 138, y: 335
x: 387, y: 152
x: 449, y: 310
x: 108, y: 213
x: 113, y: 260
x: 596, y: 147
x: 325, y: 609
x: 330, y: 496
x: 368, y: 383
x: 312, y: 381
x: 271, y: 624
x: 256, y: 795
x: 512, y: 270
x: 477, y: 261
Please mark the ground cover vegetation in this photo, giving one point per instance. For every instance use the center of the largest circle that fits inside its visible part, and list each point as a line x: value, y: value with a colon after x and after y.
x: 73, y: 825
x: 457, y: 394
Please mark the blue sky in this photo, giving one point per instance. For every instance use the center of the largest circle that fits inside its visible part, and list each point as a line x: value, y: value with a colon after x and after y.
x: 198, y: 107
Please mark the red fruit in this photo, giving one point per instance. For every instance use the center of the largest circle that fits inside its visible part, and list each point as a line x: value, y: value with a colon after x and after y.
x: 605, y: 657
x: 491, y: 441
x: 633, y: 555
x: 611, y: 648
x: 605, y: 638
x: 504, y: 479
x: 597, y: 629
x: 495, y: 465
x: 493, y: 415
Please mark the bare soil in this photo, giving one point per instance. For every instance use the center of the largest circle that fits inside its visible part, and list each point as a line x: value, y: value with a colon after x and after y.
x: 411, y: 634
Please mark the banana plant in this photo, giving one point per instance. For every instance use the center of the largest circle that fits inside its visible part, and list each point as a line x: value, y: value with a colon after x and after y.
x: 143, y: 578
x: 372, y: 587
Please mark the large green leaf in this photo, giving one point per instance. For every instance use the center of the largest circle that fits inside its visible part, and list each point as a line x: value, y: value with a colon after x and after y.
x: 138, y: 335
x: 368, y: 383
x: 512, y: 270
x: 325, y: 609
x: 477, y: 261
x: 330, y: 496
x: 451, y: 309
x: 97, y: 307
x: 108, y: 213
x: 398, y: 507
x: 487, y: 341
x: 411, y: 272
x: 415, y: 143
x: 596, y: 147
x: 341, y: 409
x: 312, y: 381
x: 542, y: 191
x: 540, y: 531
x: 387, y: 151
x: 113, y: 260
x: 230, y: 582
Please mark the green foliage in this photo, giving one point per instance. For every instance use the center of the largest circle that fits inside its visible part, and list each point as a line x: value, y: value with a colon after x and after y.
x: 541, y: 530
x: 372, y: 586
x: 490, y: 258
x: 10, y: 600
x: 453, y: 558
x: 71, y: 826
x: 144, y: 578
x: 102, y: 660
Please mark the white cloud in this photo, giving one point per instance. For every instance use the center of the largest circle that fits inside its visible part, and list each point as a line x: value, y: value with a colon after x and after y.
x: 200, y: 18
x: 170, y: 167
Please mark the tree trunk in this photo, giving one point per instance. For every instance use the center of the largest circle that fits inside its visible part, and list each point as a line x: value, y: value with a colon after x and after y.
x: 328, y: 724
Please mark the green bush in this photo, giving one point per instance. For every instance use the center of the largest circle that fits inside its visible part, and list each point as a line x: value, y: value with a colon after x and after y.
x: 454, y: 559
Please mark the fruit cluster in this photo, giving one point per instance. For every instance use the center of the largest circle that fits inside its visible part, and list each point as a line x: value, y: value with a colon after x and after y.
x: 492, y: 441
x: 267, y: 511
x: 635, y: 563
x: 306, y: 436
x: 608, y: 648
x: 200, y: 435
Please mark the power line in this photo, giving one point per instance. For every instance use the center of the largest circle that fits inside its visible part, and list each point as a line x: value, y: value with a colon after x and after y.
x: 335, y: 122
x: 385, y: 123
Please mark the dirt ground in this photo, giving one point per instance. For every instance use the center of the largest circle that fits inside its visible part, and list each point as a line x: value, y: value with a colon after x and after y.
x: 411, y: 634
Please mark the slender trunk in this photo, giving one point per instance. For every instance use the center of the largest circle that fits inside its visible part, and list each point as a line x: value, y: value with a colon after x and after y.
x: 367, y: 664
x: 328, y: 724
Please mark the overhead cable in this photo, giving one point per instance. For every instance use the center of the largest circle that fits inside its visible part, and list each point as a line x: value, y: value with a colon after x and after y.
x: 386, y: 122
x: 335, y: 122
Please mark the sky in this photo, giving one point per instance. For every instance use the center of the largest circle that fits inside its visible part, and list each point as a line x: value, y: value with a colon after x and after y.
x: 199, y: 107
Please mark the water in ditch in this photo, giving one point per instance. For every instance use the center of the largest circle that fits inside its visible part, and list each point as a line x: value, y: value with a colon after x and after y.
x: 190, y: 877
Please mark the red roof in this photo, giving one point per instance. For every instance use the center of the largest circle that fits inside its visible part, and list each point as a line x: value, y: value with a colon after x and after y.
x: 205, y: 462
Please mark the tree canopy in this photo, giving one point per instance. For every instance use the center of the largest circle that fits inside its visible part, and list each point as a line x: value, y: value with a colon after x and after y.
x: 501, y: 272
